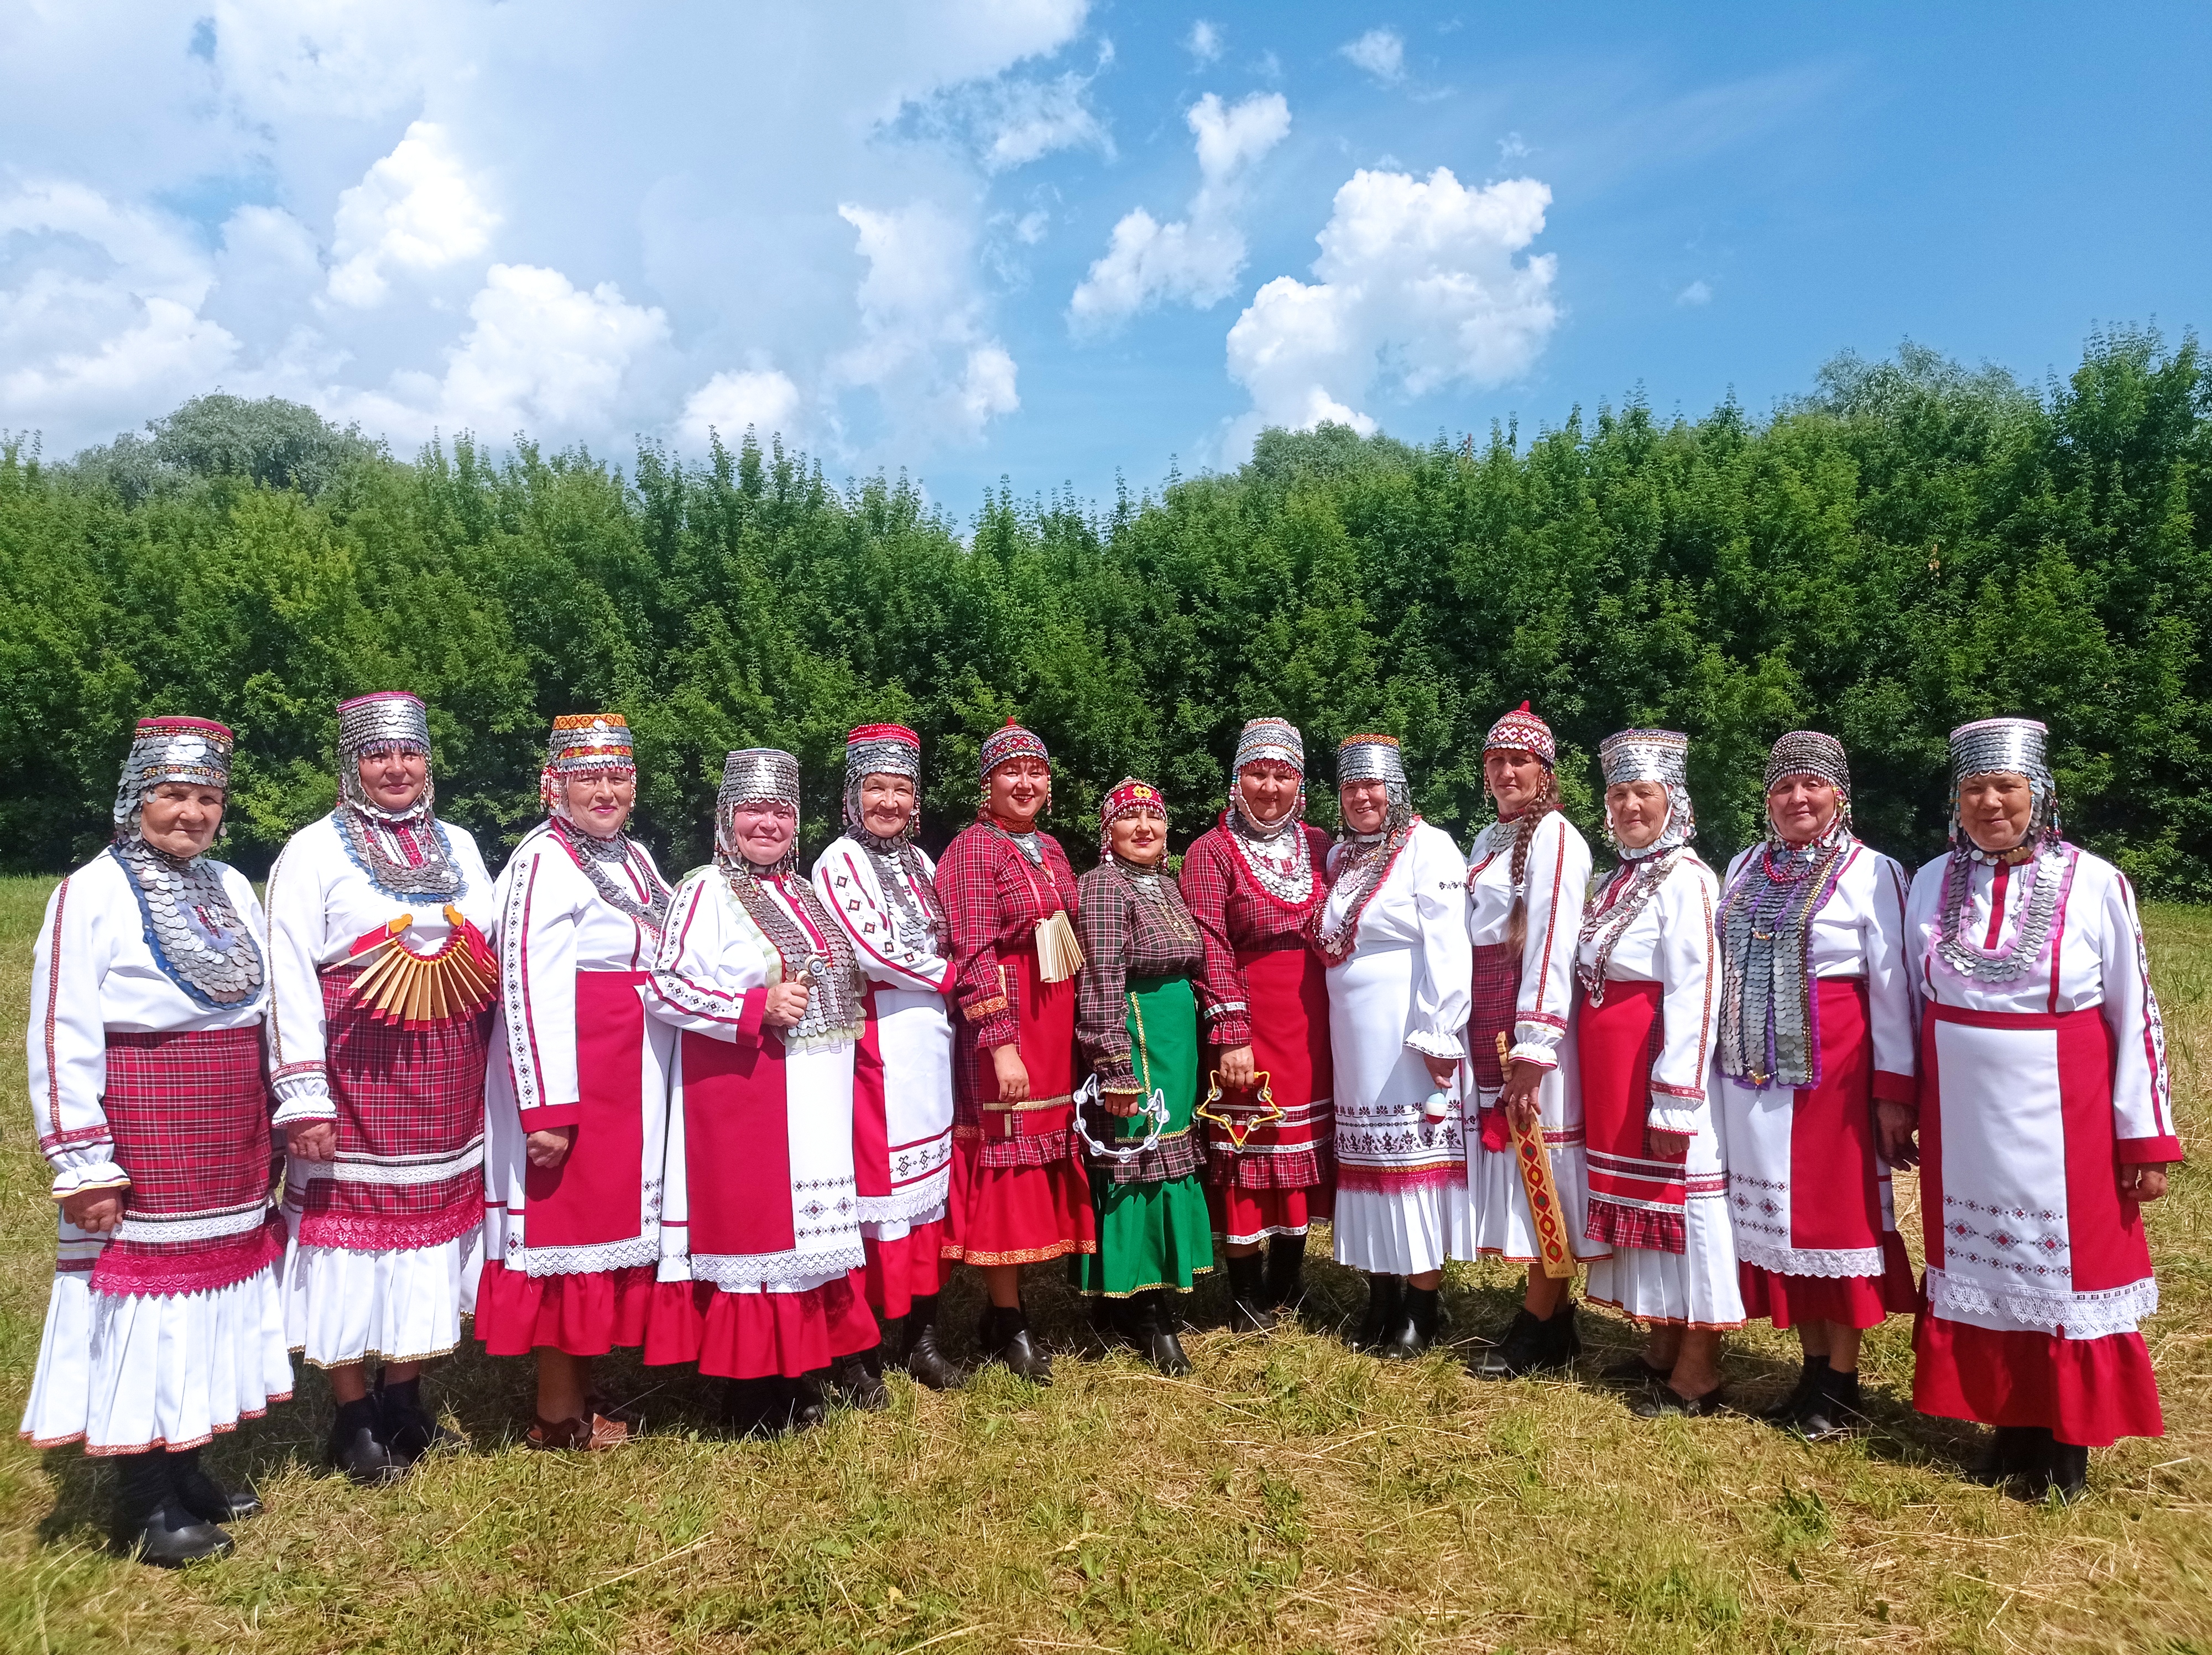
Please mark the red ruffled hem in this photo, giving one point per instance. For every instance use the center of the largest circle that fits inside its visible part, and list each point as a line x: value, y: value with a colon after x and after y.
x: 1853, y: 1301
x: 1242, y: 1213
x: 2087, y: 1391
x: 1016, y: 1214
x: 586, y: 1314
x: 899, y: 1272
x: 752, y: 1336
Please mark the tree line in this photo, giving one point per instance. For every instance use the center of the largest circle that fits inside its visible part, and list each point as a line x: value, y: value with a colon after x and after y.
x: 1910, y: 545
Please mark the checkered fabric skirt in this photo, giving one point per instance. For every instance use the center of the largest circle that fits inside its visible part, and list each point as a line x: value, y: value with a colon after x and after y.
x: 190, y: 1115
x: 409, y: 1167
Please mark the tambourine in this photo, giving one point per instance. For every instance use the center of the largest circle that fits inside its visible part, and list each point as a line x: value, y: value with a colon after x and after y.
x: 1268, y: 1113
x: 1154, y: 1108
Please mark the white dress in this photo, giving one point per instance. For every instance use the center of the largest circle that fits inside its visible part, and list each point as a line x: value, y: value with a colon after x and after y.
x: 1540, y: 1031
x: 1401, y: 993
x: 126, y: 1371
x: 902, y: 1107
x: 1671, y: 944
x: 1824, y: 1227
x: 342, y: 1304
x: 2033, y: 1092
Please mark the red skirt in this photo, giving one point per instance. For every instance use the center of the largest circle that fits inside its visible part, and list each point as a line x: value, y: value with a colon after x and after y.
x: 586, y: 1314
x: 1851, y: 1301
x: 899, y: 1272
x: 1288, y: 993
x: 754, y: 1335
x: 2091, y: 1392
x: 1635, y: 1201
x: 1242, y: 1215
x: 1017, y: 1196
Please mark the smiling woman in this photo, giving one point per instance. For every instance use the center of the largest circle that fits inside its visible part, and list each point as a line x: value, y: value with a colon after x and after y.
x: 147, y: 996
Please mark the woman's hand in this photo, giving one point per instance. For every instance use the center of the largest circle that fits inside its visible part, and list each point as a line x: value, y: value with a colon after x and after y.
x: 1236, y: 1068
x: 1013, y: 1075
x: 1122, y: 1103
x: 787, y: 1004
x: 1519, y: 1099
x: 312, y: 1141
x: 2143, y: 1181
x: 1666, y: 1146
x: 1894, y: 1127
x: 548, y: 1148
x: 97, y: 1211
x: 1441, y: 1070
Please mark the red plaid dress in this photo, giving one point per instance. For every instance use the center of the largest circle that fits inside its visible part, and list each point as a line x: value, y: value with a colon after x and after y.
x: 1018, y: 1196
x: 409, y: 1166
x: 1264, y: 985
x: 190, y: 1116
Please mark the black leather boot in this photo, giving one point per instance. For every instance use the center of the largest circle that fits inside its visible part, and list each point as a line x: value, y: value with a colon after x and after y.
x: 1385, y: 1295
x: 1248, y: 1309
x: 925, y: 1361
x: 757, y: 1408
x: 406, y: 1427
x: 1286, y: 1263
x: 804, y: 1407
x: 1415, y: 1329
x: 1810, y: 1377
x: 1007, y: 1340
x: 151, y: 1524
x: 357, y: 1448
x: 2012, y: 1451
x: 1533, y: 1346
x: 1152, y: 1331
x: 1833, y: 1408
x: 858, y: 1378
x: 2065, y: 1472
x: 204, y: 1497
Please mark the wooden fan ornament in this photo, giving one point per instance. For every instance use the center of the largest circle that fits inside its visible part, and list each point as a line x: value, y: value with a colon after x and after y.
x: 419, y: 991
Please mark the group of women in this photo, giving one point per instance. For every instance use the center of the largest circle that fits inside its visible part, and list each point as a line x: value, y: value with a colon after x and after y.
x: 751, y: 1122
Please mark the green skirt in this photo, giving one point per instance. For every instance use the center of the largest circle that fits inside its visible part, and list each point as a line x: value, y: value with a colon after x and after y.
x: 1159, y: 1233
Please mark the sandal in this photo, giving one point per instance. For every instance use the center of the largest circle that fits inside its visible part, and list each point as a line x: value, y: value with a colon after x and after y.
x: 594, y: 1434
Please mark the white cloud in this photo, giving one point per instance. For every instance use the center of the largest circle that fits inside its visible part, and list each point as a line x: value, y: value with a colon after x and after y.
x: 1203, y: 42
x: 304, y: 198
x: 540, y: 356
x: 1512, y: 148
x: 1696, y: 294
x: 1381, y: 52
x: 763, y: 400
x: 1418, y: 286
x: 923, y: 349
x: 1195, y: 260
x: 414, y: 210
x: 100, y: 309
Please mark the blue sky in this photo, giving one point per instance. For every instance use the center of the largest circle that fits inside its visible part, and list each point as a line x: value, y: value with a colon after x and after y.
x: 1050, y: 239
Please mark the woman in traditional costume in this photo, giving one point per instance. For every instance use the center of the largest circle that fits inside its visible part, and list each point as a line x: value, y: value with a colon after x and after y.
x: 880, y: 886
x: 760, y: 1207
x: 1658, y: 1183
x: 1251, y: 883
x: 148, y: 992
x: 1137, y: 1022
x: 2045, y: 1121
x: 1526, y: 878
x: 1394, y: 933
x: 383, y: 985
x: 576, y: 1098
x: 1815, y: 1035
x: 1018, y: 1197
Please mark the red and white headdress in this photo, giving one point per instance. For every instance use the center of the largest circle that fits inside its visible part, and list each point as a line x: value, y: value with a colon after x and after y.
x: 1522, y: 730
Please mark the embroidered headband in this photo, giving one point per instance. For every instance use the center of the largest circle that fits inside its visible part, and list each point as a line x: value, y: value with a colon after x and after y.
x: 1522, y: 730
x: 197, y: 751
x: 1009, y: 741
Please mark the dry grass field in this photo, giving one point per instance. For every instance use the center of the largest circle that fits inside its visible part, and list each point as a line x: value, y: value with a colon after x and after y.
x: 1292, y: 1496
